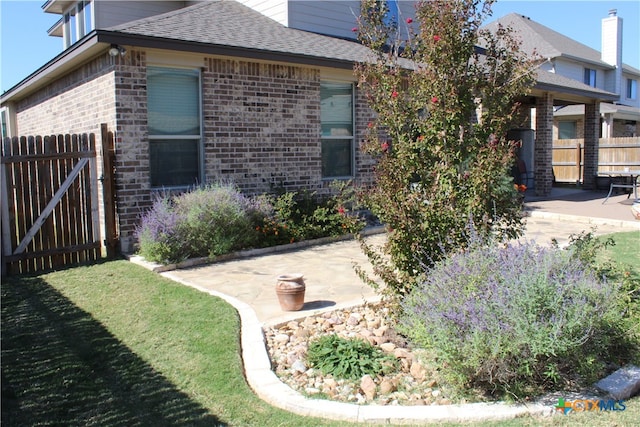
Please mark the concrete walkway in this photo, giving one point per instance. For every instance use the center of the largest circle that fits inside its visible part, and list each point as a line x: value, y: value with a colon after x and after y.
x: 248, y: 283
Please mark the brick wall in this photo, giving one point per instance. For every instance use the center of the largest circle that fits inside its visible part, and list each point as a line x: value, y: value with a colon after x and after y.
x: 543, y: 146
x: 591, y: 133
x: 76, y: 103
x: 261, y: 125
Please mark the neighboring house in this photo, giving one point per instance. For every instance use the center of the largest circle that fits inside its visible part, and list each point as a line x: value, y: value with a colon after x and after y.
x: 603, y: 70
x: 584, y: 93
x: 261, y: 94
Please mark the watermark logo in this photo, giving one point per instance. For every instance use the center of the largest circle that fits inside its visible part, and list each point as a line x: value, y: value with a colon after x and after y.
x: 585, y: 405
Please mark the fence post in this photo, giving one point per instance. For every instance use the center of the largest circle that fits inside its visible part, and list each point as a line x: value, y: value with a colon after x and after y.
x: 109, y: 190
x: 578, y: 164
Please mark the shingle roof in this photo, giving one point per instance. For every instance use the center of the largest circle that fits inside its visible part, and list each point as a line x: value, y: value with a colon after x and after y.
x: 229, y: 23
x: 566, y: 83
x: 545, y: 41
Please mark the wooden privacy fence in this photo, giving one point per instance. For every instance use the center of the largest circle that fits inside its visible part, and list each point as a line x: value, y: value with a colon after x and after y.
x: 613, y: 154
x: 50, y: 212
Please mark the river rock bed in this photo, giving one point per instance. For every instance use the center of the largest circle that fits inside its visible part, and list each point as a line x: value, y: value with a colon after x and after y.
x: 411, y: 384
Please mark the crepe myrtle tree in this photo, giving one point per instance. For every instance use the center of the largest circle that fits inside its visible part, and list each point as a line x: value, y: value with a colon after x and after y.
x: 442, y: 108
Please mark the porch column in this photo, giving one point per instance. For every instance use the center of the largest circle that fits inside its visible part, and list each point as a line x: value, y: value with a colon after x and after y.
x: 543, y: 146
x: 591, y: 143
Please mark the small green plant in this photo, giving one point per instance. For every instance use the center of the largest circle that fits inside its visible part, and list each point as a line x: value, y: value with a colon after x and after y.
x: 348, y: 358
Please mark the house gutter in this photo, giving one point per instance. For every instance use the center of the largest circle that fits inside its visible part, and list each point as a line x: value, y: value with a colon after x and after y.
x: 137, y: 40
x: 587, y: 95
x: 51, y: 70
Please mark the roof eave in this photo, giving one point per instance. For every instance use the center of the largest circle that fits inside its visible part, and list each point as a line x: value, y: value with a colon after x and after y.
x: 600, y: 64
x: 574, y: 94
x: 79, y: 51
x: 137, y: 40
x: 98, y: 38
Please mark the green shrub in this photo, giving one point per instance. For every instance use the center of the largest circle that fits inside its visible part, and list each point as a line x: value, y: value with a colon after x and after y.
x: 160, y: 233
x: 516, y: 319
x: 347, y: 358
x: 305, y: 215
x: 440, y: 159
x: 206, y: 221
x: 216, y: 219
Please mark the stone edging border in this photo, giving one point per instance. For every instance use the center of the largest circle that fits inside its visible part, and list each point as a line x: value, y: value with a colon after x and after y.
x: 193, y: 262
x: 264, y: 382
x: 631, y: 225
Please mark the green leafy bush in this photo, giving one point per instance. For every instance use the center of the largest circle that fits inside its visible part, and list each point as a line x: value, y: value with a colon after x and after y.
x: 305, y: 215
x: 217, y: 219
x: 517, y: 319
x: 439, y: 133
x: 348, y: 358
x: 160, y: 233
x: 206, y: 221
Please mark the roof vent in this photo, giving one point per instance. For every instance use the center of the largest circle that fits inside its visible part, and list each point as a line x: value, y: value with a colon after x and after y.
x: 613, y: 12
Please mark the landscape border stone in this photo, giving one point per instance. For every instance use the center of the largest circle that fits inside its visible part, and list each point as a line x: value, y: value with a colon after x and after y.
x: 265, y: 383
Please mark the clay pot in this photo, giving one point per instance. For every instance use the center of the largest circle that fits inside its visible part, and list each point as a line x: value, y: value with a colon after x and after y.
x: 290, y: 290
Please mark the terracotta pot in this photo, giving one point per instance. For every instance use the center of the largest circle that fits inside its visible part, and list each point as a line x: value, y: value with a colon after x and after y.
x: 290, y: 290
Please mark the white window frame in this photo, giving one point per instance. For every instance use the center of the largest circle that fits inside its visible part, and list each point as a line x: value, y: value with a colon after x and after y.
x: 632, y: 89
x: 199, y: 137
x: 4, y: 124
x: 74, y: 22
x: 573, y: 124
x: 352, y: 137
x: 592, y: 73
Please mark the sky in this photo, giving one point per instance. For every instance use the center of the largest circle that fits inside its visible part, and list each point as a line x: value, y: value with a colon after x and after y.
x: 25, y: 45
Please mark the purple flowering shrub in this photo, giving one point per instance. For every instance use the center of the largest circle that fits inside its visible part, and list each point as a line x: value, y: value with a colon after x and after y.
x: 160, y: 235
x: 217, y: 219
x: 514, y: 319
x: 207, y: 221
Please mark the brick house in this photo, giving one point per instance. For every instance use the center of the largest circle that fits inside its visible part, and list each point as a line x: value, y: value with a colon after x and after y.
x: 583, y: 93
x: 203, y: 91
x: 260, y: 93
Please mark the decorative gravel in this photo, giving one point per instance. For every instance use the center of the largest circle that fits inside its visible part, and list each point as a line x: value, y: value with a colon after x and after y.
x: 411, y: 384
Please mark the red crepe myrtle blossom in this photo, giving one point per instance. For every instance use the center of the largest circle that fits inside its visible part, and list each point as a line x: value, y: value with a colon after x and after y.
x: 409, y: 20
x: 436, y: 38
x: 370, y: 125
x: 341, y: 210
x: 394, y: 94
x: 435, y: 99
x: 384, y: 146
x: 354, y: 29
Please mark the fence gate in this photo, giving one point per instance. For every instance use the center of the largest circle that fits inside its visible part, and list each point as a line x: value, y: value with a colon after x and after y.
x: 50, y: 215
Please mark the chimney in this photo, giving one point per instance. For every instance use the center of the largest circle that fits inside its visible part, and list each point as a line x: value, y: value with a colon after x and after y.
x: 612, y: 50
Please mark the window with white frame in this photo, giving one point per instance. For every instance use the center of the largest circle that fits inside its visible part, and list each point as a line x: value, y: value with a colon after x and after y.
x: 77, y: 22
x: 3, y: 122
x: 336, y: 117
x: 174, y: 124
x: 567, y: 130
x: 590, y: 77
x: 632, y: 89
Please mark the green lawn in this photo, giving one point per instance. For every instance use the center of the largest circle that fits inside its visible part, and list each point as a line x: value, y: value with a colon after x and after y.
x: 114, y: 344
